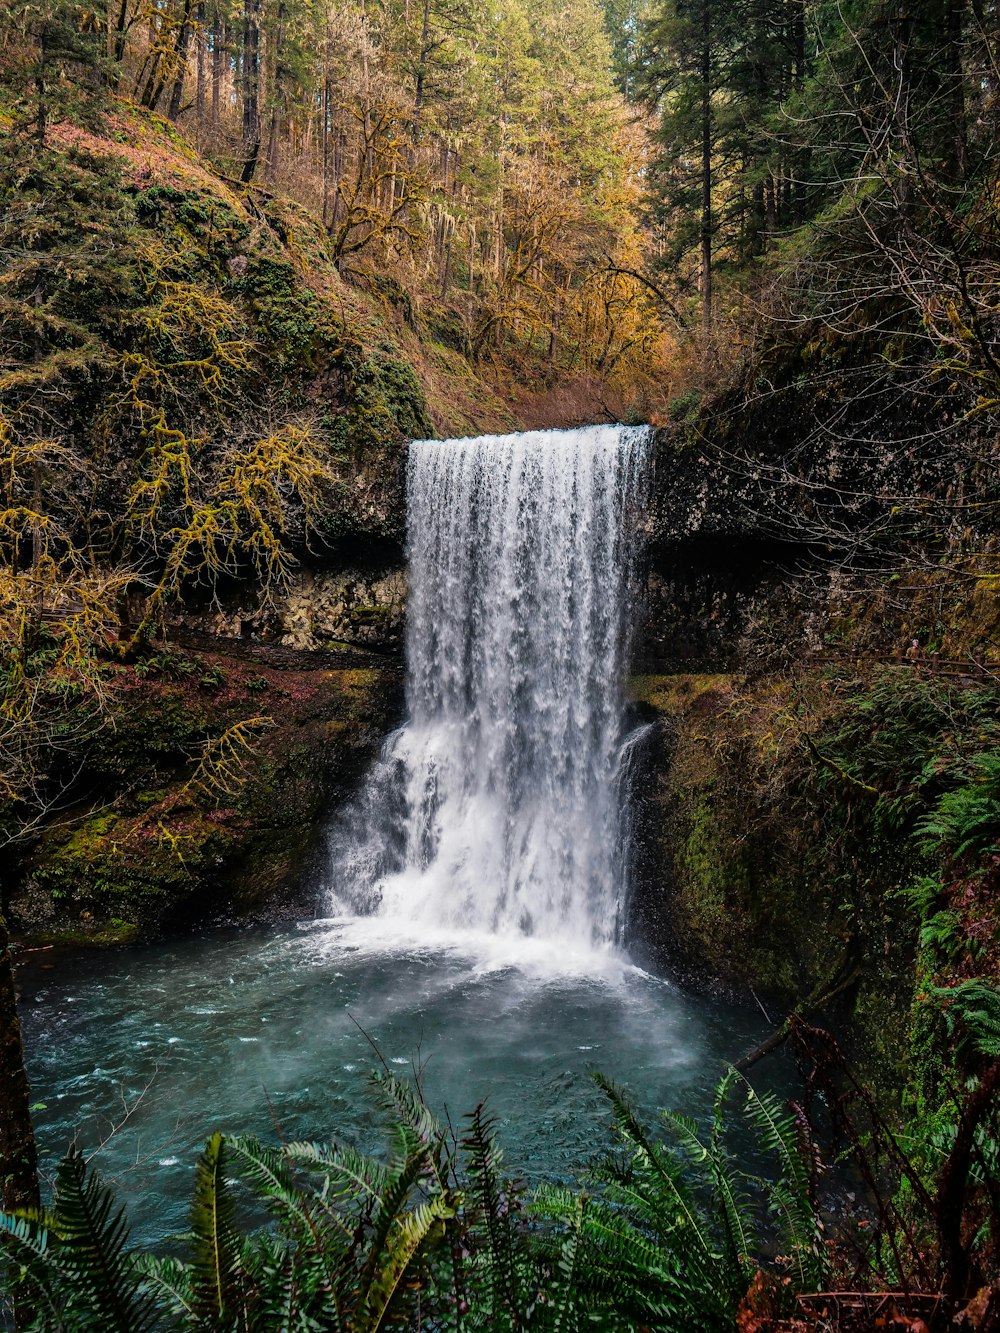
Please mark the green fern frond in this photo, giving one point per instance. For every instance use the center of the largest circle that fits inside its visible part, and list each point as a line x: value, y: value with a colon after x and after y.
x: 215, y: 1260
x: 966, y: 818
x: 92, y: 1253
x: 170, y: 1280
x: 409, y: 1236
x: 483, y: 1163
x: 972, y: 1010
x: 344, y: 1169
x: 268, y: 1172
x: 389, y: 1212
x: 660, y: 1182
x: 30, y: 1251
x: 791, y: 1195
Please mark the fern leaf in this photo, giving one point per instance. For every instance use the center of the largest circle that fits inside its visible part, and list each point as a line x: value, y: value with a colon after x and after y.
x: 792, y: 1195
x: 215, y: 1260
x: 410, y: 1234
x: 170, y: 1279
x: 484, y: 1161
x: 92, y: 1255
x: 344, y: 1169
x: 669, y: 1203
x: 389, y: 1213
x: 31, y: 1247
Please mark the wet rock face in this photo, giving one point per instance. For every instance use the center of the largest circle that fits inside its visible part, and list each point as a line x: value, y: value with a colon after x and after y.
x: 739, y: 606
x: 357, y: 603
x: 756, y: 876
x: 356, y: 606
x: 839, y: 464
x: 770, y: 514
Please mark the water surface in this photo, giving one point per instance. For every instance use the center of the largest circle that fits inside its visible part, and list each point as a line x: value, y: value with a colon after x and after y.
x: 261, y: 1031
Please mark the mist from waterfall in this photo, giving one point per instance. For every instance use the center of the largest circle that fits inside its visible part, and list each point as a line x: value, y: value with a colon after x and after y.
x: 499, y: 807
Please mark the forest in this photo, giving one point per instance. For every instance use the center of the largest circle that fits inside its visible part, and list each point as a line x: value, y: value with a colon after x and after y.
x: 663, y: 752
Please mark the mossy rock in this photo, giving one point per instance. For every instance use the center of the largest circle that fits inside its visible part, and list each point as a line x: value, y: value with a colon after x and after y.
x: 163, y: 851
x: 752, y: 880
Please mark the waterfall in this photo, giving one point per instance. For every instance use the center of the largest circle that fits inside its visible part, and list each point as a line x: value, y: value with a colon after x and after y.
x: 498, y: 806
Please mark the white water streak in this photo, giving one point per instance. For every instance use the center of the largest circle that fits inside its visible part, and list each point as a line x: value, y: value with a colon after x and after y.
x: 497, y: 807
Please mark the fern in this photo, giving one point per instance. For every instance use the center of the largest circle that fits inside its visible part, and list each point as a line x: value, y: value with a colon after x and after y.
x: 735, y: 1206
x: 215, y: 1263
x: 92, y: 1255
x: 345, y: 1171
x: 791, y: 1194
x: 75, y: 1262
x: 967, y: 818
x: 409, y: 1108
x: 972, y: 1010
x: 497, y: 1259
x: 690, y: 1198
x: 269, y: 1173
x: 940, y: 927
x: 396, y: 1257
x: 437, y: 1236
x: 168, y: 1280
x: 658, y: 1188
x: 28, y: 1251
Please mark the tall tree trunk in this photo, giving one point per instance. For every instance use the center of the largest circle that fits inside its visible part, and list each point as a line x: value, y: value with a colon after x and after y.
x: 325, y: 106
x: 271, y: 155
x: 801, y: 160
x: 706, y: 170
x: 216, y: 72
x: 421, y: 79
x: 367, y: 105
x: 325, y: 140
x: 199, y: 97
x: 18, y: 1154
x: 251, y: 89
x: 120, y: 37
x: 758, y: 219
x: 900, y: 112
x: 41, y: 114
x: 955, y: 73
x: 180, y: 58
x: 277, y: 85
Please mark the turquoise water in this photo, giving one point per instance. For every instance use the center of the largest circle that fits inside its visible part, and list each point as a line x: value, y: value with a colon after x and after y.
x: 153, y: 1048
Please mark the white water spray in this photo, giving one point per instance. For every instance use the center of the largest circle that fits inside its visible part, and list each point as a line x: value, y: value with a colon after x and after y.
x: 498, y: 807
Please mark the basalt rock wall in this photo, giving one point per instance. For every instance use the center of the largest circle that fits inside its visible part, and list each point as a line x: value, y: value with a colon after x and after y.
x: 801, y: 606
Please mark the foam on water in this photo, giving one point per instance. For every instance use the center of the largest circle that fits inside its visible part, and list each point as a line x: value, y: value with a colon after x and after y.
x: 474, y: 953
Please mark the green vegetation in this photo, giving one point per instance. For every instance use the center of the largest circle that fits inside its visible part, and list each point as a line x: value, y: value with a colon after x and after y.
x: 830, y: 169
x: 436, y: 1235
x: 205, y: 796
x: 832, y: 844
x: 668, y: 1233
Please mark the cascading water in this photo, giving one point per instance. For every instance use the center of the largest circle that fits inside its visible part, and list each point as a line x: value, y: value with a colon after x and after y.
x: 497, y: 807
